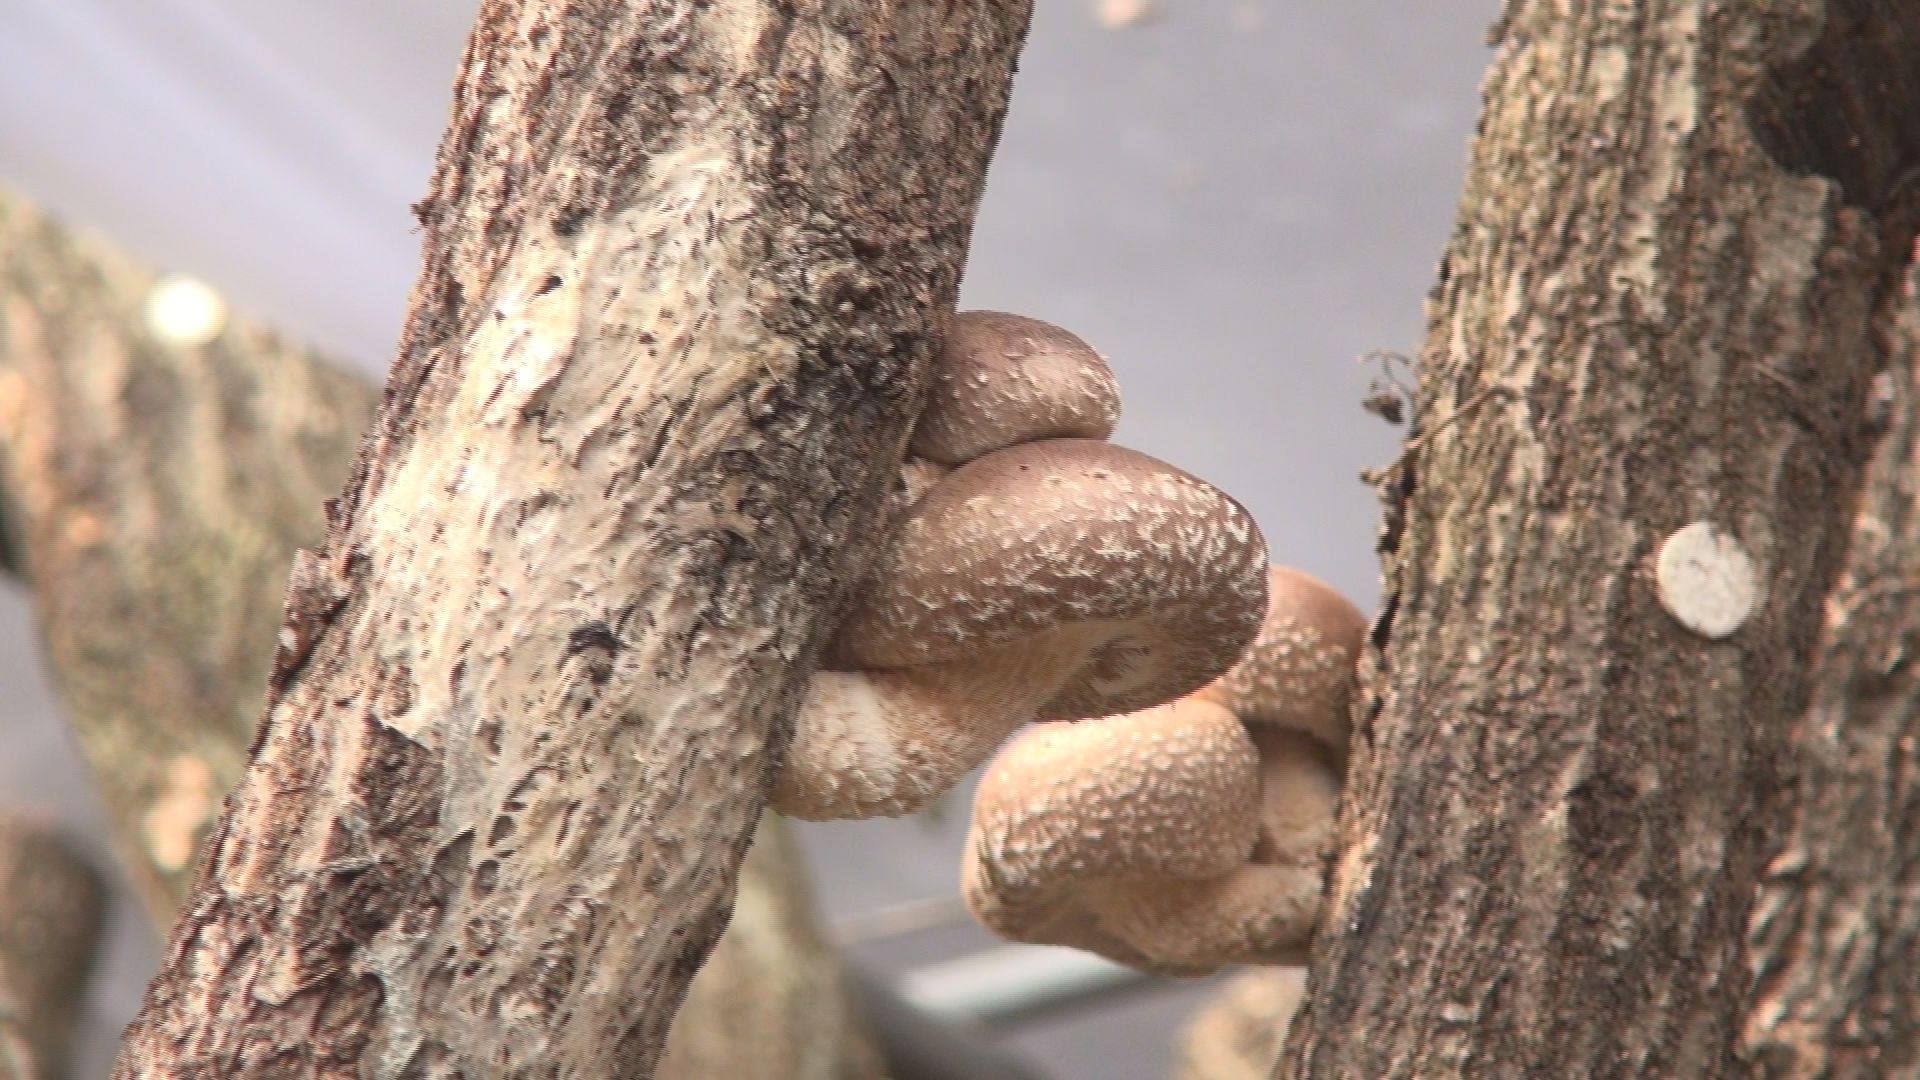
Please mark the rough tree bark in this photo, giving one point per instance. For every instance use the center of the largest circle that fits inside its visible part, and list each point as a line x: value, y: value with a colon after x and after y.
x: 683, y: 266
x: 51, y: 900
x: 1682, y: 235
x: 156, y: 525
x: 1834, y: 937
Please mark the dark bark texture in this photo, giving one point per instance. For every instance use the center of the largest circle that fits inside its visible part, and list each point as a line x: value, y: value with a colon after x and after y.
x: 1835, y: 934
x: 51, y: 901
x: 157, y: 610
x: 1668, y: 295
x: 683, y: 266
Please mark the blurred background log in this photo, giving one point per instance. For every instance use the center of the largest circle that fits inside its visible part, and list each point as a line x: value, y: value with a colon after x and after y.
x: 1238, y: 1035
x: 51, y: 901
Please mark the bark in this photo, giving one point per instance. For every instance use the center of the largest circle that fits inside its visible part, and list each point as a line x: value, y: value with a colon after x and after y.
x: 153, y: 497
x: 1834, y: 937
x: 769, y: 1003
x: 156, y: 662
x: 683, y: 266
x: 157, y: 609
x: 164, y: 667
x: 1666, y: 298
x: 51, y: 900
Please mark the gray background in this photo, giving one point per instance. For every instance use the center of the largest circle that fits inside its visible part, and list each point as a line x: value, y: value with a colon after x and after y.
x: 1234, y: 200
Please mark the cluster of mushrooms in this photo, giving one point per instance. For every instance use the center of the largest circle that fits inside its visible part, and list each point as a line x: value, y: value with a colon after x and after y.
x: 1181, y: 707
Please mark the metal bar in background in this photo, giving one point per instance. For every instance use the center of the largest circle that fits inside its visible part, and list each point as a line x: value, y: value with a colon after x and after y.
x: 1010, y: 984
x: 916, y: 1045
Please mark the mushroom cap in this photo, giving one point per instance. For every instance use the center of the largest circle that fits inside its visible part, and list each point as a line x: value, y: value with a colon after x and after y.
x: 1172, y: 839
x: 1254, y: 915
x: 1159, y: 575
x: 1003, y: 379
x: 1166, y: 792
x: 1299, y: 671
x: 1036, y: 871
x: 1262, y: 912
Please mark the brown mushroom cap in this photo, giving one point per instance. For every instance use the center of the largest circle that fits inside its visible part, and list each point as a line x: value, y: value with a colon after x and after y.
x: 1262, y: 912
x: 1053, y: 579
x: 1160, y: 575
x: 1161, y: 793
x: 1254, y: 915
x: 1057, y: 578
x: 1003, y: 379
x: 1034, y: 873
x: 1299, y: 673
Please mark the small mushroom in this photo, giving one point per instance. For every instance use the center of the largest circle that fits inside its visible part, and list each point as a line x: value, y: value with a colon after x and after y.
x: 1301, y: 676
x: 1180, y: 853
x: 1046, y: 578
x: 1160, y: 794
x: 1003, y: 379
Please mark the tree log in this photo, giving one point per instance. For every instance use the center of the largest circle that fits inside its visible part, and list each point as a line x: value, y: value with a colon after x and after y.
x: 51, y: 902
x: 157, y: 611
x: 770, y: 1003
x: 1834, y: 937
x: 683, y: 267
x: 1665, y: 301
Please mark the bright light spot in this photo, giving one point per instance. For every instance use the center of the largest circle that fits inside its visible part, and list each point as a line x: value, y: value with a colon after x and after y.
x: 1706, y: 580
x: 183, y: 311
x: 1117, y: 14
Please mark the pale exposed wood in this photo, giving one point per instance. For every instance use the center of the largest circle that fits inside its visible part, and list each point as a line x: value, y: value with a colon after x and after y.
x: 51, y: 900
x: 683, y: 266
x: 154, y: 660
x: 1663, y: 303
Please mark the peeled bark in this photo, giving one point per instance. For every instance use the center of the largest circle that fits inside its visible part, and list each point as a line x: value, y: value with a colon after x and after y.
x: 156, y: 609
x: 1665, y: 301
x: 51, y: 900
x: 683, y: 267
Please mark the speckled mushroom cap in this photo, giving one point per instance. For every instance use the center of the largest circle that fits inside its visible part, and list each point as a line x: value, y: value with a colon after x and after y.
x: 1004, y: 379
x: 1161, y: 793
x: 1255, y: 915
x: 1160, y: 573
x: 1262, y: 911
x: 1030, y: 871
x: 1301, y: 674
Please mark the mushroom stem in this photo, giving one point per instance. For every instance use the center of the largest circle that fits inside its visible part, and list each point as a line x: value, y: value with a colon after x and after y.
x: 887, y: 743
